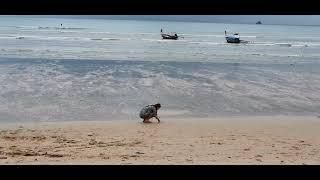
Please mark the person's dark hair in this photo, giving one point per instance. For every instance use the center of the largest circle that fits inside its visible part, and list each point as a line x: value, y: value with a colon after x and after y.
x: 158, y: 105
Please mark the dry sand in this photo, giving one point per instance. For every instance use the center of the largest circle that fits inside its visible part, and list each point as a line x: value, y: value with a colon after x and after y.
x: 232, y: 140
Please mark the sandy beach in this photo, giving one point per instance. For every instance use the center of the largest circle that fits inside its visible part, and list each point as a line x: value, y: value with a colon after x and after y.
x: 225, y: 140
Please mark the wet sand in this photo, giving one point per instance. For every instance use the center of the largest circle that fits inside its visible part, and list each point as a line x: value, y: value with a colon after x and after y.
x: 225, y: 140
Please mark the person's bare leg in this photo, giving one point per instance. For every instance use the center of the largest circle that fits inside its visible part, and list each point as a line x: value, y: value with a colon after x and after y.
x: 147, y: 121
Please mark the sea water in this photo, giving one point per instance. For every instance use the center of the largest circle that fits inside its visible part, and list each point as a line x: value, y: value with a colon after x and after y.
x: 99, y: 69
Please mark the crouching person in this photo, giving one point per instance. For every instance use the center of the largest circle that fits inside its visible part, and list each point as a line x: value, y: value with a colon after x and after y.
x: 149, y: 112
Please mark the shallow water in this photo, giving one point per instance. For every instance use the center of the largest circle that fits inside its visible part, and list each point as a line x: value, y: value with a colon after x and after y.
x: 96, y: 90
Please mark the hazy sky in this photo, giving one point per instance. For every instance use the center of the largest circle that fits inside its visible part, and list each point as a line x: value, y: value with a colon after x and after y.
x: 247, y: 19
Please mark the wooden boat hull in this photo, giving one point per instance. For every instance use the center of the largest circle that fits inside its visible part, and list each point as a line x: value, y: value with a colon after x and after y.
x: 232, y: 39
x: 167, y: 36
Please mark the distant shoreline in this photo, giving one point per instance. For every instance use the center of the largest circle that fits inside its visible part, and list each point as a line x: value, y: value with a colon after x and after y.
x: 167, y: 20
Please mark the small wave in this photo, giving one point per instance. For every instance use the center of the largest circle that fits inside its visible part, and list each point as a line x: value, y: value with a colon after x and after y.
x: 99, y: 32
x: 284, y: 44
x: 213, y: 35
x: 44, y: 27
x: 24, y: 27
x: 150, y: 39
x: 268, y: 44
x: 113, y: 39
x: 257, y: 54
x: 24, y: 50
x: 163, y: 40
x: 207, y: 42
x: 109, y: 39
x: 202, y: 35
x: 148, y: 33
x: 312, y: 44
x: 299, y: 45
x: 59, y: 38
x: 62, y: 28
x: 249, y: 36
x: 89, y: 51
x: 275, y: 55
x: 7, y: 35
x: 262, y: 43
x: 72, y: 28
x: 48, y: 37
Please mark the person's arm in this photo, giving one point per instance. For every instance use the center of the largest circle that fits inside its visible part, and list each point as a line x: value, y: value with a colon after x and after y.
x: 157, y: 119
x: 156, y: 116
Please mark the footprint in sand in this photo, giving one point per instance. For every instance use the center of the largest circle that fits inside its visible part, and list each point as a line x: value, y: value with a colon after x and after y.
x: 219, y: 143
x: 295, y: 148
x: 134, y: 156
x: 124, y: 157
x: 104, y: 156
x: 92, y: 142
x: 31, y: 130
x: 55, y: 155
x: 91, y: 134
x: 305, y: 144
x: 139, y: 152
x: 90, y: 156
x: 9, y: 138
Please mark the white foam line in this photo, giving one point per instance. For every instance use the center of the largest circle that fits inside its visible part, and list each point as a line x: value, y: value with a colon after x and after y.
x: 163, y: 40
x: 213, y: 35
